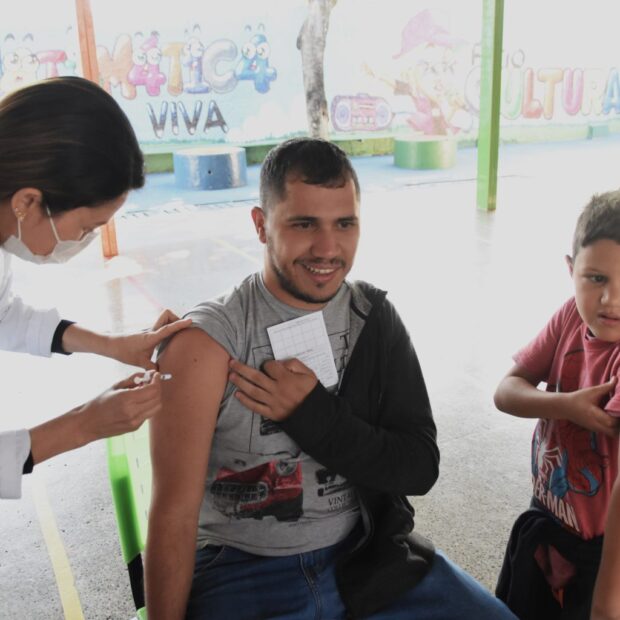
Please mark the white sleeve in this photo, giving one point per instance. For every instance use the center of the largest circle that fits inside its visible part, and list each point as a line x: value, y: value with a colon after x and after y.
x: 23, y: 328
x: 14, y: 450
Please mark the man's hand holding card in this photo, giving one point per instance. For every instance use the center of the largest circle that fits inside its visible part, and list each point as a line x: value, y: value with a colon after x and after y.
x: 303, y: 356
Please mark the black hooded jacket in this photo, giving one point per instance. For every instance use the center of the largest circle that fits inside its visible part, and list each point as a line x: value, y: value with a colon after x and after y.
x: 378, y: 432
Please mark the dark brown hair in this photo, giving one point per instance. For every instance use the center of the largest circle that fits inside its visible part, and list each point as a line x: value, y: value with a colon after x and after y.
x: 312, y: 160
x: 68, y: 138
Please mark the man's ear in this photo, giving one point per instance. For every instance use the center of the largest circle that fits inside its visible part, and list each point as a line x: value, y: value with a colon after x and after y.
x: 569, y: 262
x: 26, y: 203
x: 259, y: 218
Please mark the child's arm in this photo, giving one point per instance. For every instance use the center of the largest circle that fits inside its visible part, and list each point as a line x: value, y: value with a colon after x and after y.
x: 518, y: 395
x: 606, y: 601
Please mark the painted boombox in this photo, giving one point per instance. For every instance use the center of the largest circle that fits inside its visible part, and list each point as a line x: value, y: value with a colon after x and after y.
x: 360, y: 112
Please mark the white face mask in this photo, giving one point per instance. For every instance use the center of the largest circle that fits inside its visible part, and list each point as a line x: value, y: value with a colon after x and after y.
x: 62, y: 252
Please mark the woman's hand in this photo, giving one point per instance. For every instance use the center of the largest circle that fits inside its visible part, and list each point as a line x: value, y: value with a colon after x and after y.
x: 137, y: 349
x: 122, y: 408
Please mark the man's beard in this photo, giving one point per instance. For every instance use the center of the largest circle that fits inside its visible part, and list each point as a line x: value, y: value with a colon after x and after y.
x: 289, y: 286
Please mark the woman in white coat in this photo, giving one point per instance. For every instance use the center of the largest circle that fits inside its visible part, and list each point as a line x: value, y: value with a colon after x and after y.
x: 68, y: 158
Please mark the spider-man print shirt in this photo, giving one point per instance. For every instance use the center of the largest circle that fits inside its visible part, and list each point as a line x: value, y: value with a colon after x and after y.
x: 573, y: 468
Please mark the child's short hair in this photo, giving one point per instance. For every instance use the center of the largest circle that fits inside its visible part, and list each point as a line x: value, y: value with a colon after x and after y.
x: 600, y: 219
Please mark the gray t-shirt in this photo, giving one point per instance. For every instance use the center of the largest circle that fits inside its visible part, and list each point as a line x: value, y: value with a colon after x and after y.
x: 263, y: 494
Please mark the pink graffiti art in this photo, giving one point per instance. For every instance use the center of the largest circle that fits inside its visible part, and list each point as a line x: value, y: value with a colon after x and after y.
x: 429, y: 81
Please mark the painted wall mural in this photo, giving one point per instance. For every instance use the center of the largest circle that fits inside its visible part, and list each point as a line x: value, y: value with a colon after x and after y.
x: 193, y: 67
x: 136, y: 67
x: 226, y: 72
x: 23, y: 63
x: 437, y: 103
x: 235, y: 75
x: 419, y: 71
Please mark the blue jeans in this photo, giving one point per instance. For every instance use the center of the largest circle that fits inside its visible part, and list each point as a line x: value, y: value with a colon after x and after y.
x: 229, y: 583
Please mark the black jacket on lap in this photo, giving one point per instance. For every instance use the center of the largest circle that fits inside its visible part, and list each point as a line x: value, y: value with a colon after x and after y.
x: 522, y: 584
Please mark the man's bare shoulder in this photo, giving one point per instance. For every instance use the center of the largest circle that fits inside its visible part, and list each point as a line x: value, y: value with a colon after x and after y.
x: 190, y: 401
x: 192, y: 346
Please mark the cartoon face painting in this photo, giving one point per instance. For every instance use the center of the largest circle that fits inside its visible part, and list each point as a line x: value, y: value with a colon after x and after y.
x: 19, y: 68
x: 433, y: 73
x: 145, y: 70
x: 429, y: 78
x: 254, y: 63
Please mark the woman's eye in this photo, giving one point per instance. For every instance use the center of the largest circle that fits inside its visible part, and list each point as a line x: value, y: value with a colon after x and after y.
x: 596, y: 279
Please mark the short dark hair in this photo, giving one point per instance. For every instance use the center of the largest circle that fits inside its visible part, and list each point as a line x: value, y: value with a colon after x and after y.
x: 311, y: 160
x: 600, y: 219
x: 68, y: 138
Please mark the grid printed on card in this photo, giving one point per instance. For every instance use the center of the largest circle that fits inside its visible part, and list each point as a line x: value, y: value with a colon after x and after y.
x: 306, y: 339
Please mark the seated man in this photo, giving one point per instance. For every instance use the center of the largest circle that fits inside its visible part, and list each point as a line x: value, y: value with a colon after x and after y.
x: 277, y: 495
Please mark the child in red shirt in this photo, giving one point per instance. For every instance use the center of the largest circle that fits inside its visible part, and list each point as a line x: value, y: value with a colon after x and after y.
x: 555, y: 547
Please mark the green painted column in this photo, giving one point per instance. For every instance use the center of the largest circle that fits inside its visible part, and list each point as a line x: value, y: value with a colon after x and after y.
x: 490, y: 98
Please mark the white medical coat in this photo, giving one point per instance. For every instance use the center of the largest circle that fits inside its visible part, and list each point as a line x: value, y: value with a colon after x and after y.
x: 28, y: 330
